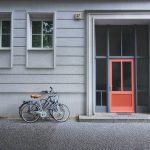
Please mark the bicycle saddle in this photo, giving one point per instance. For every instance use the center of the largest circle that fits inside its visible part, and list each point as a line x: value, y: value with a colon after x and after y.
x: 35, y: 96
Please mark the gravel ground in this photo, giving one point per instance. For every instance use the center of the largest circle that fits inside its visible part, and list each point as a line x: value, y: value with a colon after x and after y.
x: 72, y: 135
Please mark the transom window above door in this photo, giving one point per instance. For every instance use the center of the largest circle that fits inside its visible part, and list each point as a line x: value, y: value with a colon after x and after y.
x: 121, y: 39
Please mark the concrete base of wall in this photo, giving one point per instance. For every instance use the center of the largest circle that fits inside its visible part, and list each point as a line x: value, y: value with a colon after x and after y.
x: 116, y: 118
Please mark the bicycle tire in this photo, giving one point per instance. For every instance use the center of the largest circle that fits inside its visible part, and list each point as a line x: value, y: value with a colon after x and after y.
x: 34, y: 118
x: 20, y: 107
x: 61, y: 112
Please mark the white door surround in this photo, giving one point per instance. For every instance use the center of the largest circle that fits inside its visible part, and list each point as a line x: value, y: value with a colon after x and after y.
x: 114, y: 17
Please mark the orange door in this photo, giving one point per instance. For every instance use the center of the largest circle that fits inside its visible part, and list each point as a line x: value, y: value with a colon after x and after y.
x: 121, y: 85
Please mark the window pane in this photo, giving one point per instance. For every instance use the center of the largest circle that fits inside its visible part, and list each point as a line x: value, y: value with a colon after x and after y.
x: 101, y: 74
x: 36, y: 40
x: 101, y: 98
x: 127, y: 76
x: 98, y: 99
x: 115, y: 40
x: 128, y: 40
x: 47, y: 41
x: 142, y: 98
x: 116, y: 76
x: 101, y: 40
x: 142, y: 73
x: 101, y: 67
x: 143, y: 81
x: 5, y: 40
x: 36, y: 27
x: 142, y: 40
x: 5, y: 27
x: 47, y: 27
x: 104, y: 99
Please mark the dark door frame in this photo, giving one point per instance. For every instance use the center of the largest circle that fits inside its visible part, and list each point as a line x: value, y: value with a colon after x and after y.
x: 99, y: 15
x: 108, y: 71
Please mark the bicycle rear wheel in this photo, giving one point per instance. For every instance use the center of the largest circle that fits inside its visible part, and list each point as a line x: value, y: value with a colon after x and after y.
x: 27, y: 115
x: 61, y: 112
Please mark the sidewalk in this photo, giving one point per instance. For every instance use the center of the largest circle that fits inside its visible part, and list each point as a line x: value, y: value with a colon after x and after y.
x: 72, y: 135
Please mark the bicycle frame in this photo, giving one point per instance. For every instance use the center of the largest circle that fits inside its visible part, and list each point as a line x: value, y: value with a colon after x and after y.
x: 45, y: 108
x: 48, y: 105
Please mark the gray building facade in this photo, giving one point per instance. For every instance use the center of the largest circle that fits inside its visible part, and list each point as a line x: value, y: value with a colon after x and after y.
x: 95, y: 54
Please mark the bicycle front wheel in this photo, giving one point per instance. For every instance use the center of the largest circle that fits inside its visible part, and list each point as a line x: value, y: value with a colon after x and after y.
x: 27, y: 115
x: 61, y: 112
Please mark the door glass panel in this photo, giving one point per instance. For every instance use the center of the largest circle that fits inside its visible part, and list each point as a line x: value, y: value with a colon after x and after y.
x: 101, y: 40
x: 104, y: 98
x: 101, y: 65
x: 128, y: 40
x: 101, y: 98
x: 115, y: 40
x: 101, y: 74
x: 127, y: 76
x: 143, y: 81
x: 98, y: 99
x: 142, y: 40
x: 116, y: 76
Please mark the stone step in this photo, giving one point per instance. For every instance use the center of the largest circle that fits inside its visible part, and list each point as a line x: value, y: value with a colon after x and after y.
x: 116, y: 118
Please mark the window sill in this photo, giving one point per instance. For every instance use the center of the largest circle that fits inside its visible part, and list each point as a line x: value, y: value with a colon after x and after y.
x: 5, y: 67
x: 5, y: 49
x: 40, y: 67
x: 41, y: 49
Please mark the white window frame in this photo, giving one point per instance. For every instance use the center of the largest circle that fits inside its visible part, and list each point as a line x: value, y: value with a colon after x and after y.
x: 0, y: 34
x: 7, y: 16
x: 40, y: 16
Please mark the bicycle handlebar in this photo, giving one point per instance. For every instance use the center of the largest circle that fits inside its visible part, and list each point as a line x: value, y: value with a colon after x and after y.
x: 44, y: 91
x: 51, y: 90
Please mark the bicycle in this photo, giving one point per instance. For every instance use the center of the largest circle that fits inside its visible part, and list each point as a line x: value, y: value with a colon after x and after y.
x: 30, y: 111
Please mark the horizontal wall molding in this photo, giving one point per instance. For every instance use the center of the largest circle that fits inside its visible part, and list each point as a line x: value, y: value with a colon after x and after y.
x: 70, y: 88
x: 19, y: 60
x: 19, y: 42
x: 19, y: 24
x: 70, y: 51
x: 70, y: 42
x: 70, y: 61
x: 20, y: 33
x: 42, y: 79
x: 70, y: 24
x: 60, y: 33
x: 58, y: 70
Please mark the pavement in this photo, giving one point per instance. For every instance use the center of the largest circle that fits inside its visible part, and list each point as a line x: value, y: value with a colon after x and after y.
x: 73, y: 135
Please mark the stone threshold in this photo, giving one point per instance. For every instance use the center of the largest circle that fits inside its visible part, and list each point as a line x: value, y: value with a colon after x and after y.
x: 116, y: 118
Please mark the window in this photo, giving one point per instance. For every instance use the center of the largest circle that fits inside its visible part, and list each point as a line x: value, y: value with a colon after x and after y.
x: 42, y: 34
x: 5, y: 34
x: 41, y: 40
x: 6, y: 59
